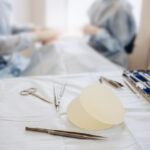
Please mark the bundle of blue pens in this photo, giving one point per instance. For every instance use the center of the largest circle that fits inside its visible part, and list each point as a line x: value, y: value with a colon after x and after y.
x: 140, y: 81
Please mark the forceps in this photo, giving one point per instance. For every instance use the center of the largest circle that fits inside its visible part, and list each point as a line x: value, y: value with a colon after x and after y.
x: 57, y: 97
x: 113, y: 83
x: 32, y: 91
x: 69, y: 134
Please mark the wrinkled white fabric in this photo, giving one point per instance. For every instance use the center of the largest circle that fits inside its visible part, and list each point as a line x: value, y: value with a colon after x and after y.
x: 17, y: 111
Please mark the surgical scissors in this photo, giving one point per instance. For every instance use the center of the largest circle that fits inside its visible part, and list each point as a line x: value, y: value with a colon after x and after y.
x: 32, y: 91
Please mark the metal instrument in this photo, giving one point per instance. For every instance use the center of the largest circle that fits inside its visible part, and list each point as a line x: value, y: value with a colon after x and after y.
x: 69, y: 134
x: 32, y: 91
x: 115, y: 84
x: 58, y: 96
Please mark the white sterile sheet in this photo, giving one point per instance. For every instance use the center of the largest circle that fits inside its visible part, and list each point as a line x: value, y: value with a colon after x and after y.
x: 67, y: 56
x: 17, y: 112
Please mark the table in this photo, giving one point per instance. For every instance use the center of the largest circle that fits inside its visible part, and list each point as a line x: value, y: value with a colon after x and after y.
x: 16, y: 112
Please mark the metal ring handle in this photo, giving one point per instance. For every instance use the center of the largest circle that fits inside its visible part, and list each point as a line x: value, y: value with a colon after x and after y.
x: 28, y: 92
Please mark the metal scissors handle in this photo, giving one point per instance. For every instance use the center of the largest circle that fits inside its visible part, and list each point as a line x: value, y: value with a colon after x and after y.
x: 32, y: 91
x: 28, y: 92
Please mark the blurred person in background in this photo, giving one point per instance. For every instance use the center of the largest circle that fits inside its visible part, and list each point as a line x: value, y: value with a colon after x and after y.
x: 14, y: 39
x: 112, y: 29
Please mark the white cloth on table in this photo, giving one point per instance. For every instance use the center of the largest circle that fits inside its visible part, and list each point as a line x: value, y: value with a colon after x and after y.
x: 17, y: 111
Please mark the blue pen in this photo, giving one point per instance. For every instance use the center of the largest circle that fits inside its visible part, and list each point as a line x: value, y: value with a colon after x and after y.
x: 139, y: 82
x: 142, y: 85
x: 145, y: 78
x: 139, y: 85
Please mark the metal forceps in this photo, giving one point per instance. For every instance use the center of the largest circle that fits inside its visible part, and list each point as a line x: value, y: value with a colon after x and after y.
x: 57, y: 97
x: 113, y: 83
x: 69, y: 134
x: 32, y: 91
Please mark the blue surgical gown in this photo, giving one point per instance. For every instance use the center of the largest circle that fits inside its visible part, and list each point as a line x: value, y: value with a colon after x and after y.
x: 13, y: 39
x: 117, y: 28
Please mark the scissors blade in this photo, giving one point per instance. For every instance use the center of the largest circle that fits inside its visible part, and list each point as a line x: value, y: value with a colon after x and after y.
x: 43, y: 99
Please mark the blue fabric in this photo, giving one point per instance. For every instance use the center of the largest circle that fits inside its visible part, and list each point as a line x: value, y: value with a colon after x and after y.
x: 5, y: 17
x: 14, y: 67
x: 3, y: 63
x: 12, y: 40
x: 116, y: 23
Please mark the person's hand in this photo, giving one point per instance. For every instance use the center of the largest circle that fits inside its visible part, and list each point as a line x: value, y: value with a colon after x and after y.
x: 90, y: 30
x: 47, y: 36
x: 39, y: 29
